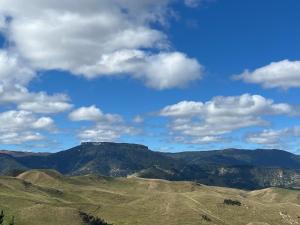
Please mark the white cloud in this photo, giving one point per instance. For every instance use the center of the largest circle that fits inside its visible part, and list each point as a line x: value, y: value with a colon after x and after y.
x: 207, y: 121
x: 23, y: 120
x: 42, y: 103
x: 159, y: 71
x: 283, y: 74
x: 42, y: 123
x: 13, y: 70
x: 38, y: 102
x: 17, y: 127
x: 192, y: 3
x: 20, y: 138
x: 138, y: 119
x: 14, y: 77
x: 2, y: 22
x: 86, y: 113
x: 22, y: 125
x: 106, y: 132
x: 273, y: 137
x: 93, y: 113
x: 107, y: 127
x: 99, y: 38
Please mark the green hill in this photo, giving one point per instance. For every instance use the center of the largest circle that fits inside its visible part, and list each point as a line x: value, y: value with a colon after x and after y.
x: 49, y: 198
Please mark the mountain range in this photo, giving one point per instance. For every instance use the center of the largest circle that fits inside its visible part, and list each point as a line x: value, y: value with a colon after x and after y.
x: 236, y: 168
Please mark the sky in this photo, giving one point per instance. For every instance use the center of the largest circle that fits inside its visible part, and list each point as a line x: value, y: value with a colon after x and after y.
x: 175, y: 75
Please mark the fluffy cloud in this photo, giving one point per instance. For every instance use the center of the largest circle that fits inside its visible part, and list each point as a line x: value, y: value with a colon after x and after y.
x: 159, y: 71
x: 202, y: 122
x: 14, y: 77
x: 284, y: 74
x: 99, y: 38
x: 20, y: 138
x: 273, y: 137
x: 17, y: 127
x: 106, y: 132
x: 21, y: 120
x: 13, y: 70
x: 107, y: 127
x: 38, y: 102
x: 22, y: 125
x: 93, y: 113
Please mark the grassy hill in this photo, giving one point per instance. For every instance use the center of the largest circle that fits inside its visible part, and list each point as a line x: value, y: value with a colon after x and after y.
x: 47, y: 197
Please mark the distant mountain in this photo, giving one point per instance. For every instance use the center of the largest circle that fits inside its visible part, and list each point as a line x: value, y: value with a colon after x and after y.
x: 8, y: 164
x: 247, y: 169
x: 259, y: 157
x: 110, y: 159
x: 22, y: 154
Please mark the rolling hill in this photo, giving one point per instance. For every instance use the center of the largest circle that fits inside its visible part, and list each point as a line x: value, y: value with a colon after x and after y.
x: 47, y: 197
x: 245, y: 169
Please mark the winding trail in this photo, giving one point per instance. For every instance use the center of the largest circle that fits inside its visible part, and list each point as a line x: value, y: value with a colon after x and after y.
x: 204, y: 210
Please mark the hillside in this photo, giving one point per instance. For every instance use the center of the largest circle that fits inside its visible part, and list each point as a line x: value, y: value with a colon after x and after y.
x: 110, y: 159
x: 35, y: 196
x: 259, y: 157
x: 8, y: 164
x: 245, y: 169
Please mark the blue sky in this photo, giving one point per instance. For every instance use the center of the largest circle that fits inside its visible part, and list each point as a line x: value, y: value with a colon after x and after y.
x: 173, y: 75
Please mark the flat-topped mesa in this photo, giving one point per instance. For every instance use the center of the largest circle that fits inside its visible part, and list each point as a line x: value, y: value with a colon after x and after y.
x: 113, y: 144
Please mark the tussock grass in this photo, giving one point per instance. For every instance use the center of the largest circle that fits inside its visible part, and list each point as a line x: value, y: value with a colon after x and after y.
x: 42, y: 197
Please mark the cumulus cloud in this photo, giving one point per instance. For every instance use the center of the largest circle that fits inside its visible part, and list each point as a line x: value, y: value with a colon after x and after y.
x: 13, y: 70
x: 283, y: 74
x: 202, y: 122
x: 93, y: 113
x: 22, y: 125
x: 106, y: 132
x: 14, y: 77
x: 107, y: 127
x: 38, y: 102
x: 159, y: 71
x: 21, y: 120
x: 271, y: 137
x: 99, y: 38
x: 20, y: 138
x: 17, y: 127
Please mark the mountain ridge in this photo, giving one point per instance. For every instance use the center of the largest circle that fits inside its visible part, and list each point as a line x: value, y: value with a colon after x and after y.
x: 246, y: 169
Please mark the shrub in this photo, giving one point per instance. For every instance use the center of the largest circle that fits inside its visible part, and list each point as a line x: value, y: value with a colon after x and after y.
x: 206, y: 218
x: 232, y: 202
x: 92, y: 220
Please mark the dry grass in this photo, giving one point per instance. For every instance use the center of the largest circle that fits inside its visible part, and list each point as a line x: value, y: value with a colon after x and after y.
x: 48, y: 198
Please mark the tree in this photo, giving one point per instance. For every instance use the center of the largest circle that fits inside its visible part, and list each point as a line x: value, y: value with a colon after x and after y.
x: 1, y: 217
